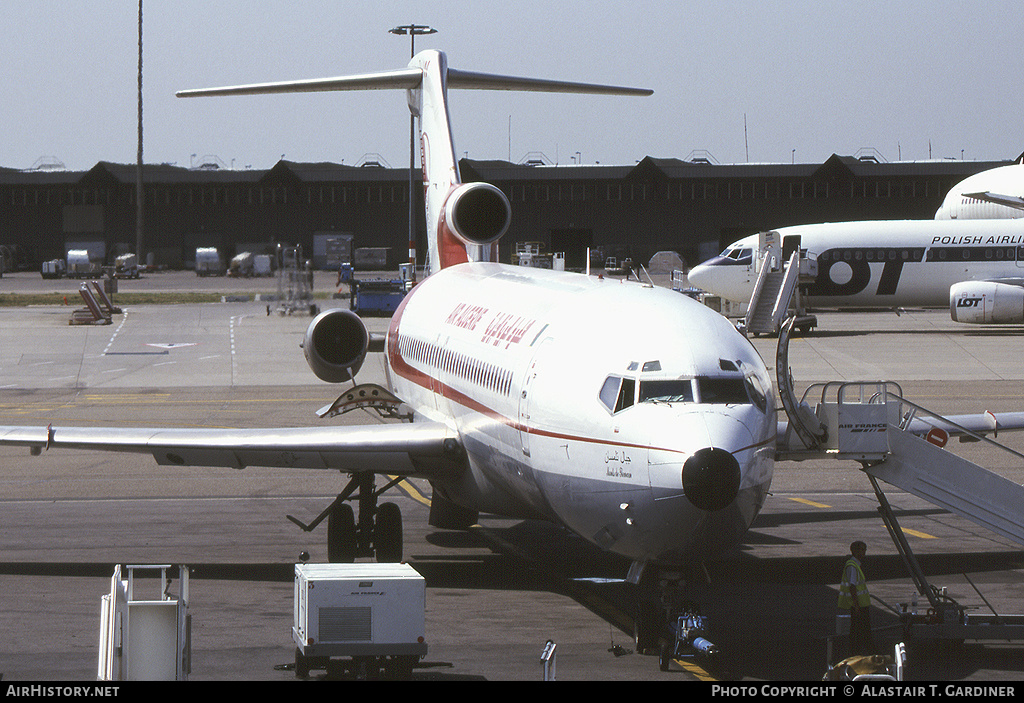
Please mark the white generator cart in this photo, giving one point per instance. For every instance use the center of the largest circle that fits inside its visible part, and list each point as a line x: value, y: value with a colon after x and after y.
x: 364, y: 619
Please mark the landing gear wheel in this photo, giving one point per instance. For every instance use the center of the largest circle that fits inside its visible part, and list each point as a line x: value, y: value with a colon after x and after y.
x: 665, y: 657
x: 341, y: 534
x: 387, y: 533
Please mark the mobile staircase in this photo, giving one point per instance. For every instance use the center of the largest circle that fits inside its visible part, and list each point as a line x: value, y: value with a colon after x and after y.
x: 900, y: 443
x: 777, y: 292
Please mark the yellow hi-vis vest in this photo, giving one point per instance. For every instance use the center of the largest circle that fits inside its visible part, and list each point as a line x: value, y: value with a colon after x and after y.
x: 846, y: 590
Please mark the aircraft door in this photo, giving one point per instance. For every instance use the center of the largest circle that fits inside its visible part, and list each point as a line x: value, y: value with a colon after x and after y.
x: 789, y: 245
x: 525, y: 396
x: 1020, y: 256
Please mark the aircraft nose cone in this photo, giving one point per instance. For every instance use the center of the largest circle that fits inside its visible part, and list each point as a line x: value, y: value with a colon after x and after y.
x: 711, y: 478
x: 697, y: 276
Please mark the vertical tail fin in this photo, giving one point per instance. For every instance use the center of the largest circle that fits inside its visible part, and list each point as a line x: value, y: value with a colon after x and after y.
x: 464, y: 221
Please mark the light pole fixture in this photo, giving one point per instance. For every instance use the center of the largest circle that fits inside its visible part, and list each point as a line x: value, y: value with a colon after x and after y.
x: 413, y: 30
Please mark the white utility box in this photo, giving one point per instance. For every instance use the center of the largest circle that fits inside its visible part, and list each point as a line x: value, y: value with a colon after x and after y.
x: 373, y: 613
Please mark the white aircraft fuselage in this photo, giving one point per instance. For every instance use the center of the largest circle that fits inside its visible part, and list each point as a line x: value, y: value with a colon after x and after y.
x: 546, y: 377
x: 880, y: 263
x: 994, y: 194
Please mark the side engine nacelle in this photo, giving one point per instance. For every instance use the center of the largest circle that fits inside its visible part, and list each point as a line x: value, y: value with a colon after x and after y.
x: 335, y: 345
x: 986, y: 302
x: 477, y: 213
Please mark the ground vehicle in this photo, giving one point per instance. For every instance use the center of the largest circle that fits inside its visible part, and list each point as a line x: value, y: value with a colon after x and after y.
x: 54, y: 268
x: 371, y: 614
x: 208, y: 262
x: 126, y: 266
x: 82, y: 265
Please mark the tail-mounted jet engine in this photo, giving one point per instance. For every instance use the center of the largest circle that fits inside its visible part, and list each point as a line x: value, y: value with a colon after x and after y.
x: 477, y: 213
x: 335, y: 345
x: 986, y: 302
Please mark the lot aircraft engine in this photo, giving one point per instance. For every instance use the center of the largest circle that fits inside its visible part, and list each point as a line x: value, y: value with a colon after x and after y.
x: 477, y: 213
x: 335, y: 345
x: 986, y: 302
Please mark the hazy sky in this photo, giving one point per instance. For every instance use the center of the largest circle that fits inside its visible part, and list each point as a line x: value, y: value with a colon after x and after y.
x: 911, y: 80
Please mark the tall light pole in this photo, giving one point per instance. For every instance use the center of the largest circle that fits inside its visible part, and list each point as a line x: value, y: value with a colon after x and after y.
x: 413, y: 30
x: 139, y: 197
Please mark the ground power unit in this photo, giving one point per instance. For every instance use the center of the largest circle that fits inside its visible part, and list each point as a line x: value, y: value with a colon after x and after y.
x: 365, y: 619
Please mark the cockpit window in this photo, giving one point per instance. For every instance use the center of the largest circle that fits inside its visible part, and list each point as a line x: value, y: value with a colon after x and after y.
x: 610, y: 391
x: 756, y: 391
x: 739, y: 254
x: 617, y: 393
x: 626, y: 394
x: 722, y: 390
x: 732, y: 390
x: 669, y: 390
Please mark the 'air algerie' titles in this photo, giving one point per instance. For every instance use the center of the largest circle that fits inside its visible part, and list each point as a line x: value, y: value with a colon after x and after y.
x: 466, y: 316
x: 504, y: 327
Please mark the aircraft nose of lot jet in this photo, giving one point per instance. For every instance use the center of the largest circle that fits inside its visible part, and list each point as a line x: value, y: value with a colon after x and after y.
x: 711, y: 478
x: 698, y: 275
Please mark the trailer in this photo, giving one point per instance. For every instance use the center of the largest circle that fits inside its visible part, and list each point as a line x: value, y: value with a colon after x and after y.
x: 126, y: 266
x: 242, y: 265
x: 377, y: 296
x: 364, y: 619
x: 54, y: 268
x: 262, y: 265
x: 208, y: 262
x: 82, y: 265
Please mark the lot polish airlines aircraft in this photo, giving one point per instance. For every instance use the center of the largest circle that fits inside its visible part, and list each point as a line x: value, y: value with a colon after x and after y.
x: 974, y: 266
x: 977, y: 268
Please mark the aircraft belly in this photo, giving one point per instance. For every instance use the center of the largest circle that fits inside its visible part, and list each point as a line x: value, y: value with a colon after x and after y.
x: 500, y: 483
x: 642, y: 524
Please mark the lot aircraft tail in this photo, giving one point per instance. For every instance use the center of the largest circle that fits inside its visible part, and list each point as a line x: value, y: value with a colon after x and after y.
x: 464, y: 221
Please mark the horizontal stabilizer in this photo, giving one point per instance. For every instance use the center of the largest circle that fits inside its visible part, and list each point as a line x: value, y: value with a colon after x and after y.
x: 489, y: 81
x: 1014, y: 201
x: 405, y: 79
x: 409, y: 78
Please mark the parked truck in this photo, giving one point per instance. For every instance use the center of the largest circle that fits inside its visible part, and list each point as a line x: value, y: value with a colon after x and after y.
x: 368, y: 619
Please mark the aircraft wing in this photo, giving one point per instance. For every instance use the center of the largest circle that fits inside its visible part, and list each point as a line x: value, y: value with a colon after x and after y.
x: 402, y: 449
x: 1014, y: 201
x: 963, y: 425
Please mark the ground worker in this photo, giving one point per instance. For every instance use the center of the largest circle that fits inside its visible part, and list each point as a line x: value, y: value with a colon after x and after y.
x: 854, y: 597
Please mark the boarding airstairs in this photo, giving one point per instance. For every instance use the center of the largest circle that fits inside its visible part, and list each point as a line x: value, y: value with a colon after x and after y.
x: 776, y: 292
x: 901, y: 443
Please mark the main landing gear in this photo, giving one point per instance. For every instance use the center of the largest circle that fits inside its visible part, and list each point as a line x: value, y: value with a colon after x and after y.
x: 377, y: 532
